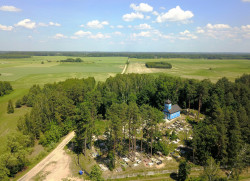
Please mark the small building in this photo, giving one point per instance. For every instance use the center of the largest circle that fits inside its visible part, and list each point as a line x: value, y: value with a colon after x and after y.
x: 171, y: 111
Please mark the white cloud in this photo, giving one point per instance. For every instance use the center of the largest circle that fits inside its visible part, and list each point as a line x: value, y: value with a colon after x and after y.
x: 163, y: 8
x: 97, y: 24
x: 6, y: 28
x: 54, y: 24
x: 175, y: 14
x: 186, y: 35
x: 118, y: 33
x: 155, y: 13
x: 99, y: 36
x: 245, y: 28
x: 119, y: 26
x: 220, y: 31
x: 185, y: 32
x: 142, y: 34
x: 200, y: 30
x: 143, y: 26
x: 26, y: 23
x: 9, y: 8
x: 49, y: 24
x: 142, y: 7
x: 88, y: 34
x: 42, y: 24
x: 130, y: 26
x: 59, y: 36
x: 147, y: 17
x: 217, y: 26
x: 132, y: 16
x: 246, y: 0
x: 82, y: 33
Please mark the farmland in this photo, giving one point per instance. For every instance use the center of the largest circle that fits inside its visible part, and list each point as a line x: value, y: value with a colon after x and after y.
x: 23, y: 73
x: 195, y: 68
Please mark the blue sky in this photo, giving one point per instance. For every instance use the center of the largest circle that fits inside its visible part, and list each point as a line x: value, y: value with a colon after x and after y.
x: 125, y: 25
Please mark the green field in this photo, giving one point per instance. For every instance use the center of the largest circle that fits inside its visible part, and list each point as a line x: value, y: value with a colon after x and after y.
x: 23, y: 73
x: 195, y: 68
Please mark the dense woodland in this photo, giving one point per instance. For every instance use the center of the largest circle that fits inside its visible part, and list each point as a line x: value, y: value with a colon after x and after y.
x: 135, y: 102
x: 163, y: 65
x: 5, y: 88
x: 141, y: 55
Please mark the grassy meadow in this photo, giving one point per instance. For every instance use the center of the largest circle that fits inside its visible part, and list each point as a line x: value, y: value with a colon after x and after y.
x: 23, y: 73
x: 195, y: 68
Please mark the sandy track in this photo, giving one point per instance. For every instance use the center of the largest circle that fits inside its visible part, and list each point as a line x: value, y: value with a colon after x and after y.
x: 56, y: 164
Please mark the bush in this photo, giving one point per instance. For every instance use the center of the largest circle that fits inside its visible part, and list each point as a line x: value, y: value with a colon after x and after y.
x: 96, y: 174
x: 162, y: 147
x: 163, y: 65
x: 173, y: 136
x: 18, y: 103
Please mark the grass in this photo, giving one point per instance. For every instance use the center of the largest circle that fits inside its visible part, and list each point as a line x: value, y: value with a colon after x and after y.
x: 196, y: 68
x: 23, y: 73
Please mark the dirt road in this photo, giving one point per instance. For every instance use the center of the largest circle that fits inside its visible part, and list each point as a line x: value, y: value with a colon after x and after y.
x: 55, y: 165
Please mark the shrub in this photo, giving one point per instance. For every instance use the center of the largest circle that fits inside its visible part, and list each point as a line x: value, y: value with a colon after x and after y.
x: 18, y: 103
x: 162, y: 147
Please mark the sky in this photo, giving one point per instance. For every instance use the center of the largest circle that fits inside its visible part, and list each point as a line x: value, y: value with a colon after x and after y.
x: 125, y: 25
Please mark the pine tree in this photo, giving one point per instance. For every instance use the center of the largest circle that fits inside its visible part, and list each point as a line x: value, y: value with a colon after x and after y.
x: 211, y: 169
x: 10, y: 108
x: 184, y: 171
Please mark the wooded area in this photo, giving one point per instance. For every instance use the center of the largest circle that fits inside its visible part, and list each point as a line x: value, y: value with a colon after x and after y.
x: 163, y: 65
x: 132, y: 103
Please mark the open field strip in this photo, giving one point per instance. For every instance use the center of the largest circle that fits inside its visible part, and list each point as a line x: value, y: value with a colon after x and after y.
x: 195, y: 68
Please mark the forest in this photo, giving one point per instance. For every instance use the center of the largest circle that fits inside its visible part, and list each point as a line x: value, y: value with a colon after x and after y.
x: 139, y: 55
x: 164, y: 65
x: 135, y: 102
x: 5, y: 88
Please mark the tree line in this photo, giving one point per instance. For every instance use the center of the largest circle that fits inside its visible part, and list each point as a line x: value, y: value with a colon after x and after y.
x: 5, y: 88
x: 13, y: 56
x: 140, y: 55
x: 132, y: 104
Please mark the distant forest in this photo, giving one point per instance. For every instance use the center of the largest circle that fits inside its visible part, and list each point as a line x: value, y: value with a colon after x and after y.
x: 141, y: 55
